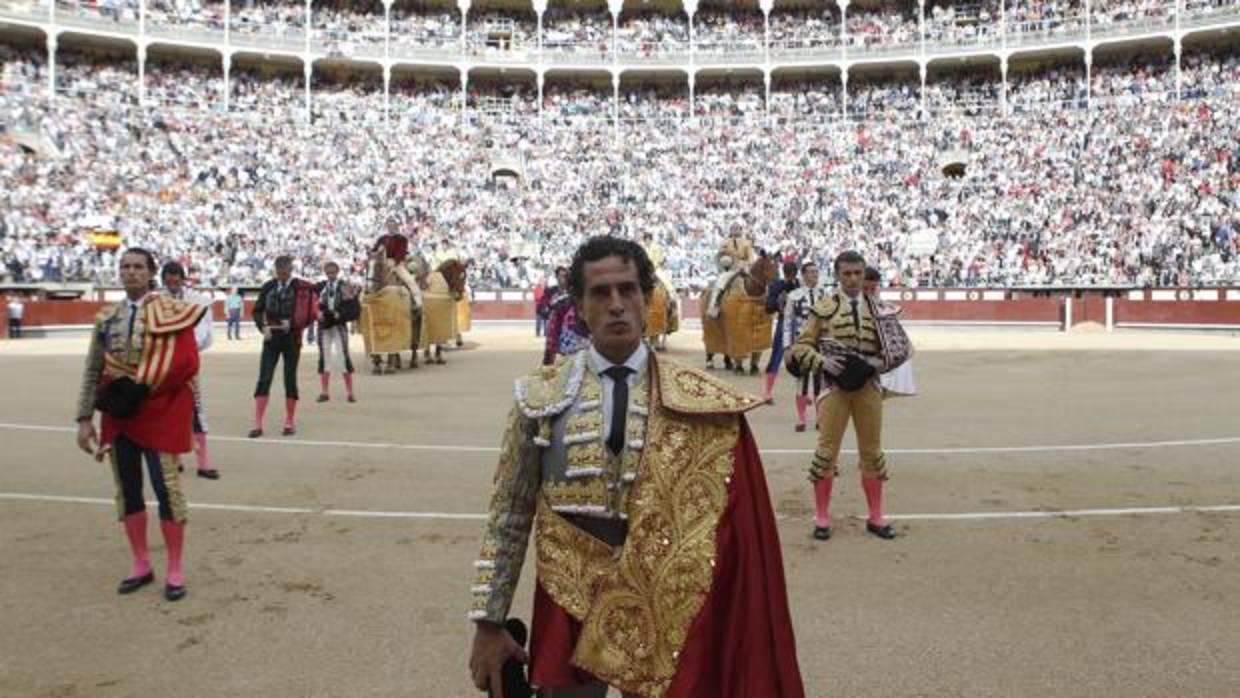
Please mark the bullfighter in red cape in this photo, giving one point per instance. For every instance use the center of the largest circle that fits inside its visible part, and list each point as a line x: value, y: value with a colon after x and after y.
x: 143, y: 357
x: 657, y: 558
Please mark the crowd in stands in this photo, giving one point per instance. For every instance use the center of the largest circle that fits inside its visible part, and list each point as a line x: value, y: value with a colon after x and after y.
x: 1135, y: 191
x: 351, y: 26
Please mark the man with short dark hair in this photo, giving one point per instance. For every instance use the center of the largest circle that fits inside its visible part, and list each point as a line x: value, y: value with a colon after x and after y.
x: 600, y: 446
x: 16, y: 311
x: 852, y: 338
x: 796, y: 312
x: 338, y: 306
x: 284, y: 307
x: 776, y: 298
x: 173, y: 278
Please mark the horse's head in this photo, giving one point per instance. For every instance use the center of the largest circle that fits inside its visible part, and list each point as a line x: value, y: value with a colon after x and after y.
x: 764, y: 269
x: 453, y: 271
x: 759, y: 274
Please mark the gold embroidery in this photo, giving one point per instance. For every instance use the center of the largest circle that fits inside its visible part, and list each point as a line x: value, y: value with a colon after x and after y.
x: 586, y: 455
x: 689, y: 391
x: 583, y: 423
x: 589, y: 492
x: 569, y: 560
x: 642, y: 607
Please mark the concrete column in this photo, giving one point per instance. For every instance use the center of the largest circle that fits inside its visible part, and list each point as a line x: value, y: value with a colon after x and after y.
x: 227, y: 80
x: 1110, y: 314
x: 844, y: 90
x: 387, y: 90
x: 1003, y: 95
x: 464, y: 95
x: 51, y: 65
x: 309, y: 71
x: 1179, y: 54
x: 1089, y: 77
x: 921, y: 71
x: 141, y: 75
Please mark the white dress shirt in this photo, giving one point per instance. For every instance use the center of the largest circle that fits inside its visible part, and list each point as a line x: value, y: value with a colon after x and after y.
x: 599, y: 364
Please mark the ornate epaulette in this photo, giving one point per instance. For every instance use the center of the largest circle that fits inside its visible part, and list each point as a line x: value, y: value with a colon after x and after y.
x: 690, y: 391
x: 885, y: 309
x: 165, y: 315
x: 551, y: 389
x: 827, y: 307
x: 105, y: 313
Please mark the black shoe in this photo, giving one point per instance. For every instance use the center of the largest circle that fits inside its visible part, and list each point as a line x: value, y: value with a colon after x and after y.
x: 211, y: 474
x: 352, y: 399
x: 180, y: 468
x: 323, y: 398
x: 288, y: 430
x: 255, y: 433
x: 886, y: 532
x: 822, y: 532
x: 174, y: 593
x: 132, y: 584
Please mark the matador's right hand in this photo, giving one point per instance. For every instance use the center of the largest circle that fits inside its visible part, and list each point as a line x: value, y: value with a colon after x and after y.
x: 492, y: 647
x: 86, y: 436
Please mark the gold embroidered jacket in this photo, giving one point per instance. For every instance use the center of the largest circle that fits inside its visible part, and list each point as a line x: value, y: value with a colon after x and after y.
x: 554, y: 458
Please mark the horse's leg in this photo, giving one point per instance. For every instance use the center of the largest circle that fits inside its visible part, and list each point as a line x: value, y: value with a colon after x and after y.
x: 727, y: 362
x: 753, y: 362
x: 710, y: 360
x: 439, y: 354
x: 376, y: 364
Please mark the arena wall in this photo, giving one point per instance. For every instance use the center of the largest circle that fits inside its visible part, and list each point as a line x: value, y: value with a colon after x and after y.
x: 1154, y: 308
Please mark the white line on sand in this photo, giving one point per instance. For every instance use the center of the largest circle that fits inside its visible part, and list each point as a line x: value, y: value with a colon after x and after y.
x: 957, y: 450
x: 461, y: 516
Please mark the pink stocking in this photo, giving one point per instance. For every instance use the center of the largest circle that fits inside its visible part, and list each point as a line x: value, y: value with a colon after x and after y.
x: 324, y: 381
x: 348, y: 383
x: 174, y: 539
x: 135, y: 530
x: 770, y: 384
x: 290, y: 411
x: 822, y: 502
x: 874, y: 498
x: 260, y: 409
x: 802, y: 406
x: 200, y: 451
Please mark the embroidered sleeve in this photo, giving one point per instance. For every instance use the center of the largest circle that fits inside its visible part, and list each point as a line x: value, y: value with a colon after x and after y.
x: 517, y: 477
x: 807, y: 341
x: 90, y: 376
x: 259, y: 312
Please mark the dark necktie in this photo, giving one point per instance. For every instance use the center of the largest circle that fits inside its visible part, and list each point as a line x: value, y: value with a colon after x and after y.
x: 856, y: 315
x: 619, y: 376
x: 133, y: 315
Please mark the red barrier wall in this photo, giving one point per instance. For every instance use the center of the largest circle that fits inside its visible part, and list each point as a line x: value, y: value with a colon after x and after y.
x: 1171, y: 307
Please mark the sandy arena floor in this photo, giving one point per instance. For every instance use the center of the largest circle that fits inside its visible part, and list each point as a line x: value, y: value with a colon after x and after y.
x: 338, y: 562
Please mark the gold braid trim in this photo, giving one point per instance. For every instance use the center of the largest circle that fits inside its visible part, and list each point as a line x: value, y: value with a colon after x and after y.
x: 636, y: 608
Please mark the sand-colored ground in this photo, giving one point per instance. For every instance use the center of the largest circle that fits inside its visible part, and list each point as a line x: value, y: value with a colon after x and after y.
x: 319, y: 567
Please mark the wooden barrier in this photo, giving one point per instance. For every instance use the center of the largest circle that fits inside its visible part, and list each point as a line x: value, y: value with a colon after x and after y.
x: 1133, y: 308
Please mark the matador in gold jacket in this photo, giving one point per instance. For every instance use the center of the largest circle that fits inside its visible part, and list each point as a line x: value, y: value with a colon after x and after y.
x: 655, y: 551
x: 850, y: 323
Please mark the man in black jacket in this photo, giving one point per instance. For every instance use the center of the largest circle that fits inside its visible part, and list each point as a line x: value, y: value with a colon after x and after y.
x: 338, y: 306
x: 284, y: 308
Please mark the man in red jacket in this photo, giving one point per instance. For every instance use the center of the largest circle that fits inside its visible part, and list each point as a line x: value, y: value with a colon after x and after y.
x: 143, y: 356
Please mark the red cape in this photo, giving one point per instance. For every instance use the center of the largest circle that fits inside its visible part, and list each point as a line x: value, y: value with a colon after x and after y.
x: 165, y: 421
x: 740, y: 645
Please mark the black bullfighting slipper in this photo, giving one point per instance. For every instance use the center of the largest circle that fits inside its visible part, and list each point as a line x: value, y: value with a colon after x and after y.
x: 323, y: 398
x: 132, y: 584
x: 255, y: 433
x: 886, y: 532
x: 174, y: 593
x: 288, y: 431
x: 211, y: 474
x: 352, y: 399
x: 822, y: 532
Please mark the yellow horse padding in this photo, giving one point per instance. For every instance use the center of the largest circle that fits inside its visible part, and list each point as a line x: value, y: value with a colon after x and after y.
x: 713, y: 335
x: 747, y: 326
x: 464, y: 316
x: 387, y: 325
x: 656, y: 313
x: 438, y: 312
